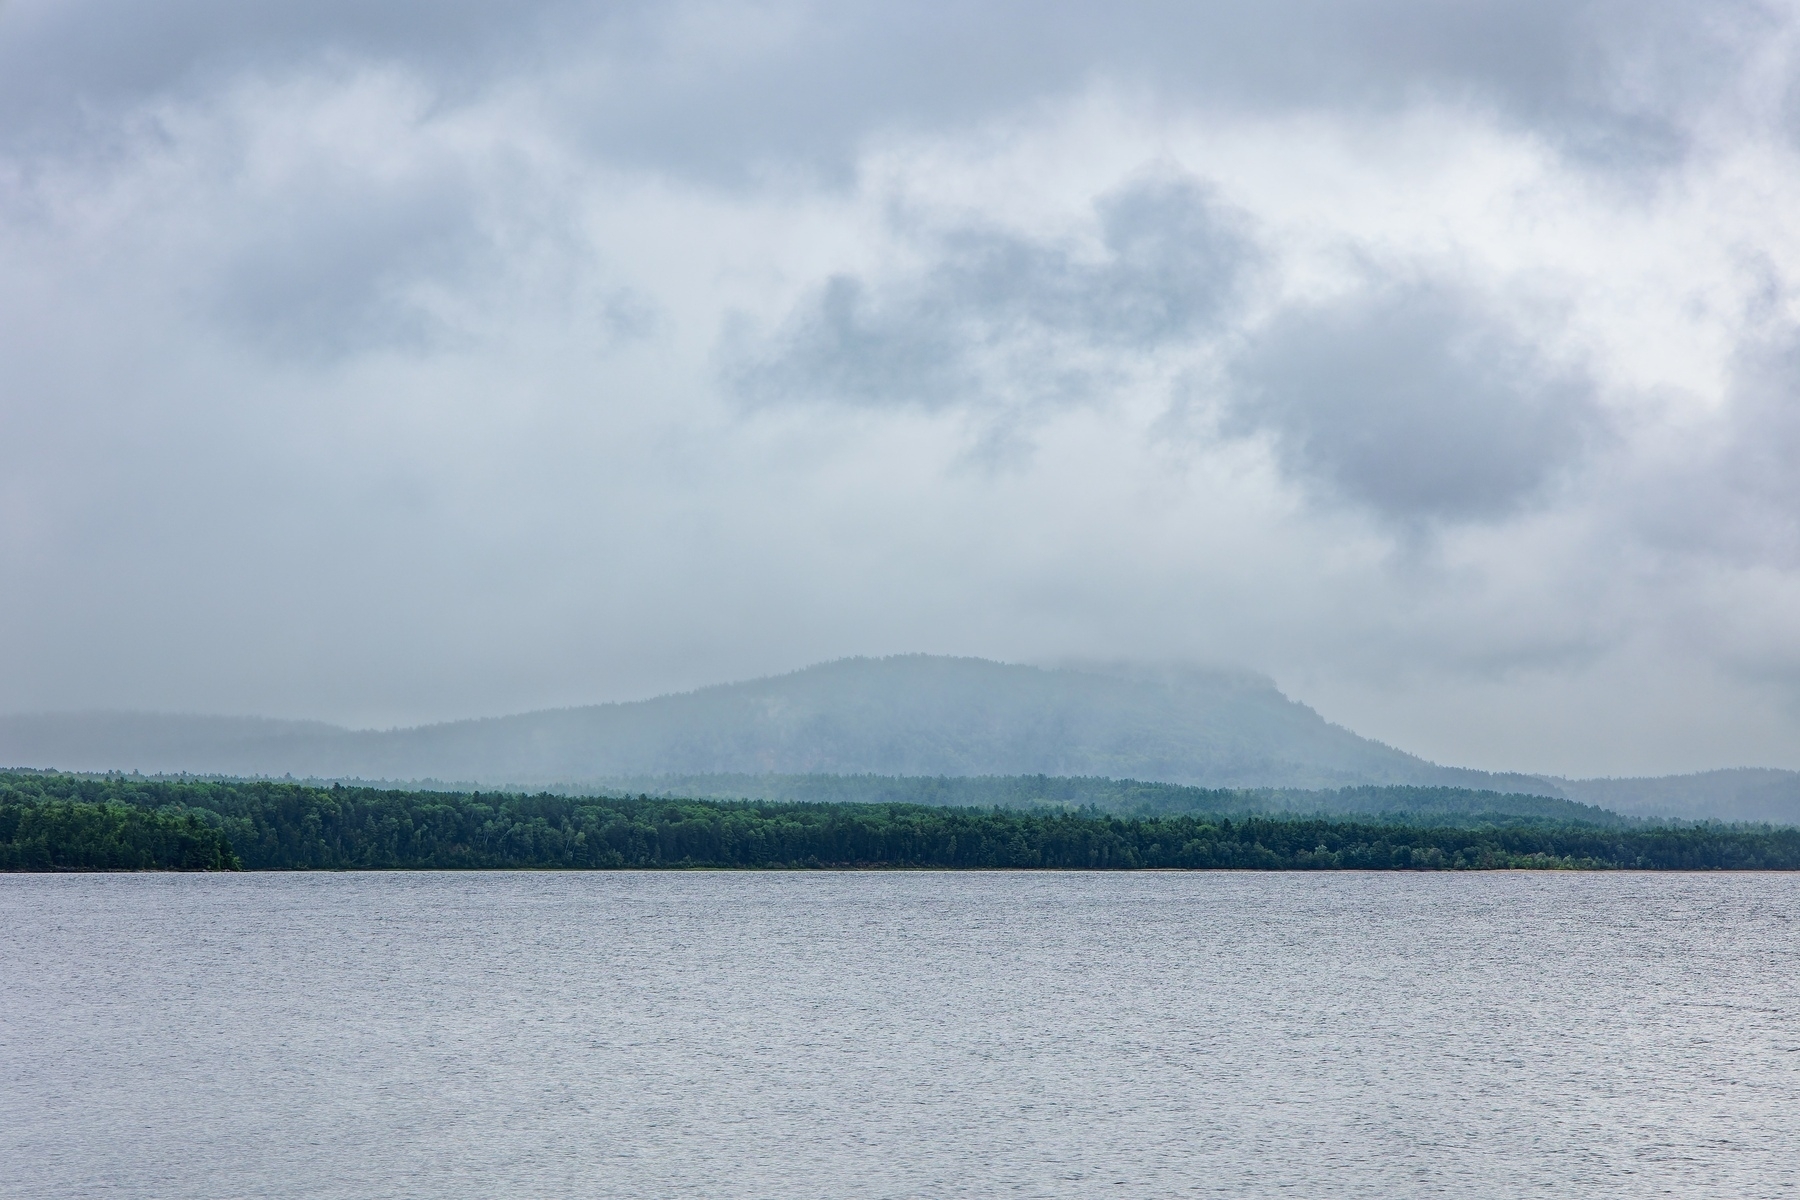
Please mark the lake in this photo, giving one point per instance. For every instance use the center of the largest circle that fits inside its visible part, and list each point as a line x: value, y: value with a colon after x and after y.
x: 899, y: 1034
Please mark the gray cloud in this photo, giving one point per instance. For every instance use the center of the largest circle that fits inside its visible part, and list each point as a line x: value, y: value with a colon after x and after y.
x: 1172, y: 259
x: 62, y: 64
x: 555, y: 207
x: 333, y: 271
x: 1764, y: 455
x: 1414, y: 401
x: 715, y: 88
x: 1733, y: 496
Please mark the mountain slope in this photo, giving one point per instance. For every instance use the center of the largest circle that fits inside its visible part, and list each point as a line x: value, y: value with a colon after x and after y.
x: 907, y: 715
x: 165, y: 742
x: 1743, y: 794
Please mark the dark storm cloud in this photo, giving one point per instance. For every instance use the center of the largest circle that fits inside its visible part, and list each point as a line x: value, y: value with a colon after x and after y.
x: 714, y: 88
x: 1171, y: 260
x: 1416, y: 402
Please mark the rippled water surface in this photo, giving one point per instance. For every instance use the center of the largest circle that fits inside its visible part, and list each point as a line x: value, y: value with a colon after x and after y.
x: 900, y: 1034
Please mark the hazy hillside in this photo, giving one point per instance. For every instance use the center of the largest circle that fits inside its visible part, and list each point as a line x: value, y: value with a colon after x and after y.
x: 1745, y: 794
x: 911, y: 715
x: 166, y: 743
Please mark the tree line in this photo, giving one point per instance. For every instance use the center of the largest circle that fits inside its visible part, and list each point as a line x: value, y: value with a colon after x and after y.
x: 64, y: 822
x: 1430, y: 804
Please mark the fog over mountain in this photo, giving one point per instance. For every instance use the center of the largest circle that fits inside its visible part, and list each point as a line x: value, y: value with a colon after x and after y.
x: 1743, y: 794
x: 906, y: 715
x: 389, y: 362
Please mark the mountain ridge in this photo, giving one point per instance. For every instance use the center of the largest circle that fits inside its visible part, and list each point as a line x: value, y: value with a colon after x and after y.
x: 903, y: 715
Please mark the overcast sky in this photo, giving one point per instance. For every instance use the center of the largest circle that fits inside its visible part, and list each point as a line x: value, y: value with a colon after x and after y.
x: 390, y: 362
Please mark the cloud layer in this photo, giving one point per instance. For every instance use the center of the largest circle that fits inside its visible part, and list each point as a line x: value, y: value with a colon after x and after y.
x: 1413, y: 402
x: 1000, y: 318
x: 386, y: 362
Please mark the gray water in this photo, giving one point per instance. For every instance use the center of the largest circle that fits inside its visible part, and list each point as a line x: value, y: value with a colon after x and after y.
x: 900, y: 1034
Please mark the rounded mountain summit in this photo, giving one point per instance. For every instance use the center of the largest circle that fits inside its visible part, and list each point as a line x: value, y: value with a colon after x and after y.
x: 909, y: 714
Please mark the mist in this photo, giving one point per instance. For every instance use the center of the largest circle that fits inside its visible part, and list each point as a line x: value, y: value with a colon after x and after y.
x: 383, y: 364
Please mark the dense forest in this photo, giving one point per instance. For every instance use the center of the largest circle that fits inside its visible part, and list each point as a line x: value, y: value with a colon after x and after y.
x: 63, y: 822
x: 59, y: 835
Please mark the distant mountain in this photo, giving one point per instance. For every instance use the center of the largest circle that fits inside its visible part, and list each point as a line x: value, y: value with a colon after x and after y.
x: 165, y: 742
x: 912, y: 715
x: 1743, y: 794
x: 907, y: 715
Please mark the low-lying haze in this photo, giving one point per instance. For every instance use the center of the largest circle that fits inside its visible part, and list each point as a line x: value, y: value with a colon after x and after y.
x: 388, y: 363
